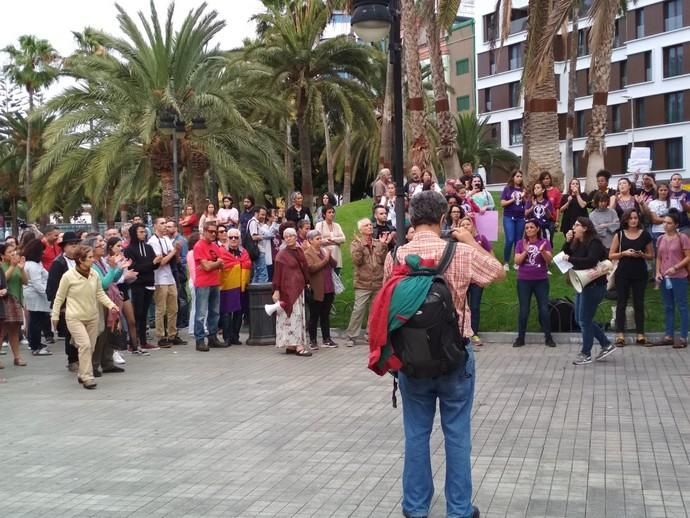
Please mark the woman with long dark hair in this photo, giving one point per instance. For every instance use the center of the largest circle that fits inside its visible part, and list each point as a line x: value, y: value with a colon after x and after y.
x: 13, y: 266
x: 573, y: 205
x: 533, y: 256
x: 673, y: 257
x: 327, y: 200
x: 35, y: 298
x: 474, y: 292
x: 632, y: 248
x: 113, y: 249
x: 585, y: 250
x: 512, y: 201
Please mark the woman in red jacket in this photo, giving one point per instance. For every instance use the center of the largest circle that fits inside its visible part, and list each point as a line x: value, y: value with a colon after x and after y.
x: 290, y: 277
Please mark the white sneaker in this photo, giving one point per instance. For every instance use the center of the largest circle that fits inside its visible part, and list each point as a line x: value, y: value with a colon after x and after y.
x: 506, y: 267
x: 24, y: 341
x: 118, y: 359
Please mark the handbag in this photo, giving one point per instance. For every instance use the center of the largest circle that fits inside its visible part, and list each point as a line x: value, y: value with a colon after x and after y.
x: 611, y: 279
x: 338, y: 285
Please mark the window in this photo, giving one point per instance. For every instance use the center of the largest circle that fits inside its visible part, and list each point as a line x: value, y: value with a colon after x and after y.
x: 673, y: 61
x: 487, y: 99
x: 462, y: 66
x: 623, y: 73
x: 514, y: 93
x: 489, y: 27
x: 616, y: 125
x: 515, y: 132
x: 639, y: 23
x: 492, y: 62
x: 674, y: 107
x: 515, y: 56
x: 617, y: 33
x: 639, y: 113
x: 463, y: 103
x: 580, y: 125
x: 673, y: 15
x: 582, y: 48
x: 674, y: 153
x: 648, y: 65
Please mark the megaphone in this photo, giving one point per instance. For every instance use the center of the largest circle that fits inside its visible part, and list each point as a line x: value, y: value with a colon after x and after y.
x: 581, y: 278
x: 272, y: 308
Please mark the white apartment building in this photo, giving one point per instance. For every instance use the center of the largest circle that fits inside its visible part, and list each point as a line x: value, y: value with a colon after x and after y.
x: 650, y: 77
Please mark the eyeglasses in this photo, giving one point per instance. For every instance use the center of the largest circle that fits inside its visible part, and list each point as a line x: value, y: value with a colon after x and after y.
x: 222, y: 231
x: 233, y: 237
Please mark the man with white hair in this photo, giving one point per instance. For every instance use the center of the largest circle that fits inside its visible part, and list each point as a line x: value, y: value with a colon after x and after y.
x: 379, y: 188
x: 368, y: 256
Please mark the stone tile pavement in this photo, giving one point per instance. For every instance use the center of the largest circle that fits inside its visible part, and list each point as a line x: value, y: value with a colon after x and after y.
x: 250, y: 432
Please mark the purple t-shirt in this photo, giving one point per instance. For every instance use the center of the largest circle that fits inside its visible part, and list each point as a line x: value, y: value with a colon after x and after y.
x: 484, y: 243
x: 517, y: 209
x: 534, y: 266
x: 542, y: 211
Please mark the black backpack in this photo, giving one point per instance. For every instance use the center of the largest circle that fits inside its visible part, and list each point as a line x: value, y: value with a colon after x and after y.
x: 430, y: 343
x: 562, y: 316
x: 250, y: 245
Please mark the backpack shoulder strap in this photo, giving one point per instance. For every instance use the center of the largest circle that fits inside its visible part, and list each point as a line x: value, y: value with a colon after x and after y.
x: 394, y: 255
x: 446, y: 258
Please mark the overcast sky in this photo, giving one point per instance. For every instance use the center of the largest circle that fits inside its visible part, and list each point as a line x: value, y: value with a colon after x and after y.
x: 55, y: 20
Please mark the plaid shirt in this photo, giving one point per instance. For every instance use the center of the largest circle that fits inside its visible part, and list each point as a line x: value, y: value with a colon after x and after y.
x: 469, y: 267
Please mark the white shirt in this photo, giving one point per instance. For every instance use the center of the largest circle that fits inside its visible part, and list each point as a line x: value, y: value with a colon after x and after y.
x: 660, y: 208
x: 229, y: 216
x: 163, y: 275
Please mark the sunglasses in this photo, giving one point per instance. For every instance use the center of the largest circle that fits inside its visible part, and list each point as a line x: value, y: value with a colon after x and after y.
x: 233, y: 237
x: 222, y: 231
x: 212, y: 231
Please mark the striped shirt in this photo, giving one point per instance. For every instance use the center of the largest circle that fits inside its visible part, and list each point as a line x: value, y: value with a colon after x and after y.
x: 469, y: 266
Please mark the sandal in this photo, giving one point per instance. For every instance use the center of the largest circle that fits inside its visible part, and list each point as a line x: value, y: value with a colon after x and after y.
x: 303, y: 352
x: 642, y: 340
x: 19, y: 362
x: 620, y: 341
x: 666, y: 340
x: 681, y: 344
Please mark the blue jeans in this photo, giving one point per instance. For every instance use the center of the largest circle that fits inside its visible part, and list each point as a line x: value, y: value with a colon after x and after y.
x: 586, y: 304
x: 206, y: 309
x: 260, y: 270
x: 455, y: 393
x: 540, y: 289
x: 474, y: 296
x: 513, y: 228
x: 676, y: 297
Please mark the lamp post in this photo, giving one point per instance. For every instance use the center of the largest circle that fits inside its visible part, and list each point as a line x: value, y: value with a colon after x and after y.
x: 373, y: 20
x: 632, y: 118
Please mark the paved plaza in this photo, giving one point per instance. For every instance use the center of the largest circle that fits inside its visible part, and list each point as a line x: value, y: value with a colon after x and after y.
x: 250, y: 432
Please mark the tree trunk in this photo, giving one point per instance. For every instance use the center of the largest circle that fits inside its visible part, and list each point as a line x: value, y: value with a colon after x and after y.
x: 94, y: 219
x: 420, y: 155
x: 541, y: 149
x: 27, y: 179
x: 289, y: 166
x: 386, y: 147
x: 304, y: 150
x: 447, y: 152
x: 572, y: 91
x: 330, y: 166
x: 167, y: 194
x: 124, y: 217
x: 347, y: 173
x: 13, y: 216
x: 599, y: 75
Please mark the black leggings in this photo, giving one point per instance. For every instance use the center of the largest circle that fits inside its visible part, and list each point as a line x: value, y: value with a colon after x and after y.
x: 321, y: 311
x: 141, y: 301
x: 39, y: 321
x: 624, y: 286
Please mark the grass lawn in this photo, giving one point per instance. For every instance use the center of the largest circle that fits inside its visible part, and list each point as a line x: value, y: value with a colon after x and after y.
x: 499, y: 303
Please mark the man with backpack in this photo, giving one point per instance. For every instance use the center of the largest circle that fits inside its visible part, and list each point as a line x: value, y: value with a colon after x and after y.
x: 463, y: 263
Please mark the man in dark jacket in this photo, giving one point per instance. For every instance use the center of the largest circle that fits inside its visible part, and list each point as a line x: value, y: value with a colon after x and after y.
x: 69, y: 243
x: 144, y: 262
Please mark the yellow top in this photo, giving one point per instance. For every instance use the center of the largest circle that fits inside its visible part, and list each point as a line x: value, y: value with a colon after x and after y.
x: 82, y: 296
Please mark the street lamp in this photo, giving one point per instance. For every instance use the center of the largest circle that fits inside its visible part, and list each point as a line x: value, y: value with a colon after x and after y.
x: 632, y: 118
x: 372, y: 20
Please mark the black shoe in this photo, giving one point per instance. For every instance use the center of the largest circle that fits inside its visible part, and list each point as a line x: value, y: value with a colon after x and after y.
x: 201, y: 346
x: 215, y: 343
x: 90, y: 385
x: 176, y: 340
x: 475, y: 511
x: 235, y: 341
x: 113, y: 369
x: 549, y: 342
x: 164, y: 343
x: 97, y: 373
x: 519, y: 341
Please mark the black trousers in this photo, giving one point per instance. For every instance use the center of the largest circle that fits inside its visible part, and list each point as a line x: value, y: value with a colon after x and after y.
x: 141, y: 301
x: 102, y: 356
x: 38, y: 321
x: 625, y: 285
x: 70, y: 350
x: 320, y: 312
x: 231, y: 324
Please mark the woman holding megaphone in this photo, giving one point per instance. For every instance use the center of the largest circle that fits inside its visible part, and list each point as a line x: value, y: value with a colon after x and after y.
x: 585, y: 250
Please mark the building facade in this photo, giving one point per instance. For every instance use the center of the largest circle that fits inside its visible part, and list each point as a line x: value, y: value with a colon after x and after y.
x: 649, y: 95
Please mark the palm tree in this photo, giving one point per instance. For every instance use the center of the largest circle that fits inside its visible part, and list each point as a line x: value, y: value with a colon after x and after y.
x: 122, y: 92
x: 474, y: 145
x: 33, y: 66
x: 309, y: 73
x: 435, y: 24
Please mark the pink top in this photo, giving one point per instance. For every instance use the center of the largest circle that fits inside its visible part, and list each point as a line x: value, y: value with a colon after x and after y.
x: 190, y: 263
x: 670, y: 252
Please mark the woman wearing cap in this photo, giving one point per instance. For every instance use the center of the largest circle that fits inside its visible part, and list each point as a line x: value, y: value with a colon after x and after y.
x: 290, y: 277
x: 80, y: 288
